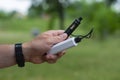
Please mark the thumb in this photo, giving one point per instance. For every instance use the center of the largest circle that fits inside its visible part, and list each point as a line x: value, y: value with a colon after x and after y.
x: 59, y: 38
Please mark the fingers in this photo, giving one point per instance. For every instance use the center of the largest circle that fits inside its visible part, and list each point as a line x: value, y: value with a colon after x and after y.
x: 59, y: 38
x: 47, y: 40
x: 51, y: 58
x: 60, y: 54
x: 56, y: 32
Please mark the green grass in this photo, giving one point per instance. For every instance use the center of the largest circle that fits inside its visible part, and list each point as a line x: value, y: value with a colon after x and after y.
x: 24, y: 25
x: 90, y: 60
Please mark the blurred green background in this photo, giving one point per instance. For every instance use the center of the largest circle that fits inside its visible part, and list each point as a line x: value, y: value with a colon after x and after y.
x: 97, y: 58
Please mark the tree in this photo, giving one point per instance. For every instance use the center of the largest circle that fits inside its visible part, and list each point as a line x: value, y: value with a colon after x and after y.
x: 55, y: 8
x: 3, y: 15
x: 105, y: 21
x: 110, y: 2
x: 36, y: 8
x: 52, y: 7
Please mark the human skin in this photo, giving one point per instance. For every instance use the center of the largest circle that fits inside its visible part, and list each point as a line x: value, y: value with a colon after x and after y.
x: 34, y: 51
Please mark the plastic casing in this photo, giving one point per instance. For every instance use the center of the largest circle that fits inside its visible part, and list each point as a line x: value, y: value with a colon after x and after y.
x: 63, y: 46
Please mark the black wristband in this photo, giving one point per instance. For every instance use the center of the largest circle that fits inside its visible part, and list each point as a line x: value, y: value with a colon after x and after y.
x: 19, y: 55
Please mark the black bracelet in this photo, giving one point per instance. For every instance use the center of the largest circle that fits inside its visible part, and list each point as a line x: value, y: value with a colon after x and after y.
x: 19, y: 55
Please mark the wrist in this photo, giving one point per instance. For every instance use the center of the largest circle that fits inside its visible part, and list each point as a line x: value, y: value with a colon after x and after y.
x: 19, y: 55
x: 26, y: 51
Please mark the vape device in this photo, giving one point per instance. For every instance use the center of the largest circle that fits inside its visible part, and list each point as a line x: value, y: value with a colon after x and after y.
x: 70, y: 42
x: 73, y: 26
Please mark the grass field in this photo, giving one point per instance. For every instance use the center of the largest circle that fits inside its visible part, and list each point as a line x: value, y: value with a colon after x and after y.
x: 90, y: 60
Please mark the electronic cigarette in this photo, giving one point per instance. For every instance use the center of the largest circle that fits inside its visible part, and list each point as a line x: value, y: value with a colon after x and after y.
x: 73, y: 26
x: 68, y: 43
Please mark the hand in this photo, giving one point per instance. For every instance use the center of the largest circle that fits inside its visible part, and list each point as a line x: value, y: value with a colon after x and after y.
x: 36, y: 50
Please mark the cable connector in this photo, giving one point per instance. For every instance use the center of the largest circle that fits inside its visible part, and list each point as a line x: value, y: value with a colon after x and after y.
x: 80, y: 37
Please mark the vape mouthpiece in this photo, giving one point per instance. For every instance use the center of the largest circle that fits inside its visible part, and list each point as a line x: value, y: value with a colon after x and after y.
x: 73, y: 26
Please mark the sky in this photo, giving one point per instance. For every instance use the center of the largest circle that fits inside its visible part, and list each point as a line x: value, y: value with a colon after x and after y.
x: 117, y: 6
x: 18, y: 5
x: 23, y: 5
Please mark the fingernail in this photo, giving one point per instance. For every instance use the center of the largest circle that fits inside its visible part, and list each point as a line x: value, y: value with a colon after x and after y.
x: 64, y: 35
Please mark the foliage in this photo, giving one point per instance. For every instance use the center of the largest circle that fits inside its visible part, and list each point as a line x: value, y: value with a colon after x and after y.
x: 110, y: 2
x: 104, y: 20
x: 35, y: 10
x: 3, y: 15
x: 8, y: 15
x: 52, y: 8
x: 97, y: 14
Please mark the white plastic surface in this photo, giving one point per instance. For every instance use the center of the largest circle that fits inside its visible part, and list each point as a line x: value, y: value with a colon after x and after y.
x: 62, y: 46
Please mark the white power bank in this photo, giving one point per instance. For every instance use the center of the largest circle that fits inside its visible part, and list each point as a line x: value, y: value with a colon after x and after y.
x: 63, y: 46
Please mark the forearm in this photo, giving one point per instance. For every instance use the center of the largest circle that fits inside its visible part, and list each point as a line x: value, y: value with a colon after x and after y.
x: 7, y: 56
x: 33, y: 51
